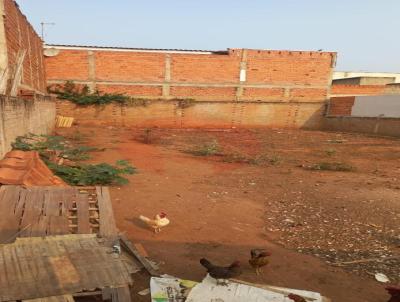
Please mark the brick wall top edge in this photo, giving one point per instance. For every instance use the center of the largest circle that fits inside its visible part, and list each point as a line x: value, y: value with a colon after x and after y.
x: 26, y: 19
x: 285, y: 52
x: 358, y: 86
x: 184, y: 51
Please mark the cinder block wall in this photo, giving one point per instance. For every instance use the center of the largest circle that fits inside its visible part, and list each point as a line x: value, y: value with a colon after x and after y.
x: 20, y: 117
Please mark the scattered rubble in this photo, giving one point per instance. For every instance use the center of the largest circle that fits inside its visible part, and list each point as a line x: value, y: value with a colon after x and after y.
x: 339, y: 235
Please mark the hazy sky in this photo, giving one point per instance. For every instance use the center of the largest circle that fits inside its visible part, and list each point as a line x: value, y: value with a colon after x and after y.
x: 365, y: 33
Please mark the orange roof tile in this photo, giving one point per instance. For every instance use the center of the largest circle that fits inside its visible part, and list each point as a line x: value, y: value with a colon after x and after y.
x: 26, y: 168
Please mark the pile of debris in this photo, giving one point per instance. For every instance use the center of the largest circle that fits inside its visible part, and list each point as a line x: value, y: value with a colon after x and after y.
x: 338, y: 233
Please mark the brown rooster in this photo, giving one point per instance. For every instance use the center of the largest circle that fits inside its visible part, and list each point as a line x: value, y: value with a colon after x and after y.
x: 394, y: 292
x: 220, y: 272
x: 259, y: 259
x: 296, y: 298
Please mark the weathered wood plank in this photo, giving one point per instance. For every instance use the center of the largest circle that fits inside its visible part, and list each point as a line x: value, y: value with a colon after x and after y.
x: 9, y: 225
x: 107, y: 221
x: 121, y: 294
x: 32, y: 211
x: 83, y: 213
x: 58, y: 225
x: 132, y: 250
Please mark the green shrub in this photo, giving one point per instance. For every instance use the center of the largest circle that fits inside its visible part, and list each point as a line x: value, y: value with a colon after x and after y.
x: 207, y: 149
x: 82, y: 95
x: 330, y: 152
x: 99, y: 174
x: 335, y: 166
x: 45, y: 143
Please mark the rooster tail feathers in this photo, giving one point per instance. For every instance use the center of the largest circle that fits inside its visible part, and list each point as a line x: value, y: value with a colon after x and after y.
x: 144, y: 218
x: 204, y: 262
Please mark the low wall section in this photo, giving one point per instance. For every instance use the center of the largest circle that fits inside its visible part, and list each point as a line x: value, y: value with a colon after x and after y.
x: 370, y: 125
x: 173, y: 114
x: 19, y: 117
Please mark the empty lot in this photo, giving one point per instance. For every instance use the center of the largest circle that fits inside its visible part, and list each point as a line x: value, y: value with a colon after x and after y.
x: 229, y: 191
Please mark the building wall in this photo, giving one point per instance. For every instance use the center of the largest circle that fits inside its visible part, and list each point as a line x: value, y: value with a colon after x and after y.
x: 353, y: 74
x: 340, y: 106
x: 18, y: 37
x: 352, y: 90
x: 369, y: 125
x: 364, y: 81
x: 20, y: 117
x: 377, y: 106
x: 287, y: 76
x: 203, y: 114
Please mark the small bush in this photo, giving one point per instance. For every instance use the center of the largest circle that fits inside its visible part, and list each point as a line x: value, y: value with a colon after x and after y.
x: 208, y: 149
x: 235, y: 158
x: 136, y: 102
x: 45, y: 143
x: 185, y: 103
x: 336, y: 166
x: 82, y: 96
x: 252, y: 160
x: 99, y: 174
x: 330, y: 152
x: 78, y: 153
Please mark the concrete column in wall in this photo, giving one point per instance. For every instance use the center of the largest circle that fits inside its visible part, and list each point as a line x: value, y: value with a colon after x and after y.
x: 167, y: 77
x: 242, y: 75
x: 3, y: 51
x: 92, y: 70
x: 286, y: 93
x: 328, y: 91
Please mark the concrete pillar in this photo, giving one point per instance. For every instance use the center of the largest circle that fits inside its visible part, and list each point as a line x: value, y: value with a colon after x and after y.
x: 92, y: 70
x: 3, y: 52
x: 242, y: 75
x: 167, y: 77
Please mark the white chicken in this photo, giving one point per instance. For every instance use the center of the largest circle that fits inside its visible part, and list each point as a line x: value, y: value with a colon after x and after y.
x: 159, y: 221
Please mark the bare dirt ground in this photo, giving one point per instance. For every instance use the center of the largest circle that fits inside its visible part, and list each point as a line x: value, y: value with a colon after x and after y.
x: 257, y: 190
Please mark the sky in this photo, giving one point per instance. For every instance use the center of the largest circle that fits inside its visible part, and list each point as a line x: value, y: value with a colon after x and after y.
x: 365, y: 33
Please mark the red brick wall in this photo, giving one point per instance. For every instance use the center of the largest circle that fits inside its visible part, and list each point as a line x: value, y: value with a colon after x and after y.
x: 357, y: 89
x: 341, y: 106
x: 211, y: 92
x: 20, y: 35
x: 308, y: 94
x: 128, y: 66
x: 289, y: 67
x: 206, y: 68
x: 71, y: 65
x: 274, y: 93
x: 136, y: 90
x: 270, y: 75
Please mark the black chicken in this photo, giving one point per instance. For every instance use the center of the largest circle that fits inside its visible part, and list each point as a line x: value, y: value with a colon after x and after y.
x: 220, y: 272
x: 394, y: 292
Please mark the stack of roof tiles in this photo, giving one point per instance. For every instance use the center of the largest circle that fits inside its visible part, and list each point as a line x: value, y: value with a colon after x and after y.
x: 27, y: 169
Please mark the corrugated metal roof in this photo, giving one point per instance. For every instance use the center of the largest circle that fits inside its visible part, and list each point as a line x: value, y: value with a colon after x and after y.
x: 137, y: 49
